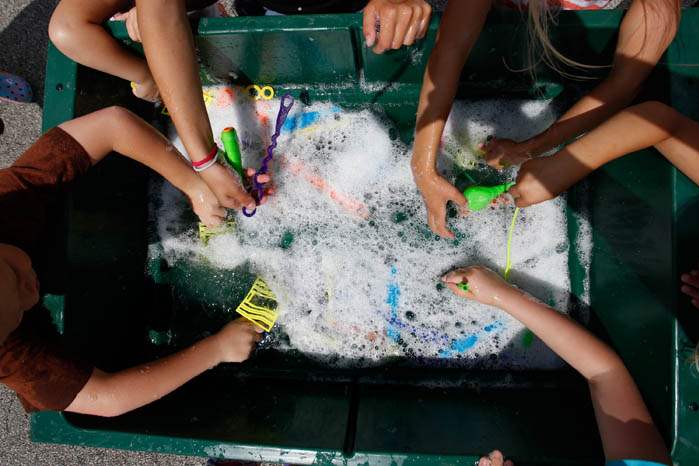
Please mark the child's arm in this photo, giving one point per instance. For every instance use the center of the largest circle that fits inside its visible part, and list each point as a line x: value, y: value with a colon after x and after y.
x: 645, y: 33
x: 117, y: 129
x: 120, y: 392
x: 169, y: 47
x: 76, y: 29
x: 625, y: 426
x: 638, y: 127
x: 460, y: 27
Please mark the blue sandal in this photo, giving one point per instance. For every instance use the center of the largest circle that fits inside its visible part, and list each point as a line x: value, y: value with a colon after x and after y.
x: 15, y: 88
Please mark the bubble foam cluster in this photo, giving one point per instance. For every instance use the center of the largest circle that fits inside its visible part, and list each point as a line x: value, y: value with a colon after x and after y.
x: 345, y: 246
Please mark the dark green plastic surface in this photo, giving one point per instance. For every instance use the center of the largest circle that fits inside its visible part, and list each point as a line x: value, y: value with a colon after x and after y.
x: 120, y: 309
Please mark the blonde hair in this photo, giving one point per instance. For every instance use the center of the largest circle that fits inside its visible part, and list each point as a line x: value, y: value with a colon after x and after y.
x: 541, y: 50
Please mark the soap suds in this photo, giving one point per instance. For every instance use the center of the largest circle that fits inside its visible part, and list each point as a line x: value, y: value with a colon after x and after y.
x: 345, y: 246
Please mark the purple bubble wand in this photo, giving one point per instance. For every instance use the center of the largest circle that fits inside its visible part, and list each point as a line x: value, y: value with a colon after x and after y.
x: 258, y: 188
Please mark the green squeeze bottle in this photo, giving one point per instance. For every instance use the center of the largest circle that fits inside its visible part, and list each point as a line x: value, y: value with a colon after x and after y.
x: 229, y: 137
x: 480, y: 197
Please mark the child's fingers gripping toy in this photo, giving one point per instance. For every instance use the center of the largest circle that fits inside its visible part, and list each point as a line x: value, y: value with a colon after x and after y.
x: 285, y: 105
x: 259, y: 305
x: 232, y: 154
x: 478, y: 198
x: 229, y: 137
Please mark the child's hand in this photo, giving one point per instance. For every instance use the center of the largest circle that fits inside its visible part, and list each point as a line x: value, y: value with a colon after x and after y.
x: 205, y: 204
x: 225, y: 184
x: 131, y: 19
x: 495, y: 458
x: 691, y: 286
x: 484, y: 285
x: 400, y: 22
x: 437, y: 192
x: 502, y: 153
x: 537, y: 181
x: 237, y: 339
x: 265, y: 180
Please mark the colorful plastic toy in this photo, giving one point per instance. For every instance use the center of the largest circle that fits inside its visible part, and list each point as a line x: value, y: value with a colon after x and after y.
x: 285, y: 105
x: 259, y: 305
x: 480, y: 197
x: 206, y: 233
x: 508, y: 254
x: 229, y: 137
x: 260, y: 92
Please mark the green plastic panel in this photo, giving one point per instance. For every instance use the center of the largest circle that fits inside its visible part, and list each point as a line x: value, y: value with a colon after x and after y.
x: 122, y: 310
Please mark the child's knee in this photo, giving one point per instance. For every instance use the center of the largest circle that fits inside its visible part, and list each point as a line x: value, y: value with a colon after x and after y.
x: 62, y: 30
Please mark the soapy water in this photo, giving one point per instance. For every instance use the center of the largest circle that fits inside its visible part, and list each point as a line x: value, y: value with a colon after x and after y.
x: 345, y: 246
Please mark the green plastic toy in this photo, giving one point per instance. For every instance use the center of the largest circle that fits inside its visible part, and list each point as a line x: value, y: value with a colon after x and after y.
x: 229, y: 137
x: 480, y: 196
x: 463, y: 286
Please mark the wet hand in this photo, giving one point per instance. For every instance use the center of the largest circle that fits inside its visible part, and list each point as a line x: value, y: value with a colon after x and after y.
x: 131, y: 19
x: 237, y: 339
x: 266, y: 180
x: 690, y: 286
x: 539, y: 180
x: 205, y: 204
x: 225, y: 184
x: 502, y: 153
x: 437, y: 192
x: 484, y: 285
x: 399, y: 22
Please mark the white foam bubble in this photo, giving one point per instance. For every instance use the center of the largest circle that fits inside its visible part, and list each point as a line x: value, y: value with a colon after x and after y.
x: 360, y: 279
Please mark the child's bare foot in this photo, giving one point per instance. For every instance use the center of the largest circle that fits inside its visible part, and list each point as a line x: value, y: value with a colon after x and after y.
x: 690, y: 286
x: 146, y: 90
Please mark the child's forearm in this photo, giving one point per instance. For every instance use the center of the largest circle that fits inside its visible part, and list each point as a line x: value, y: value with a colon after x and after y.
x: 139, y: 141
x: 645, y: 33
x: 118, y: 393
x: 117, y: 129
x: 169, y: 48
x: 588, y: 112
x: 461, y: 25
x: 574, y: 344
x: 645, y: 125
x: 625, y: 426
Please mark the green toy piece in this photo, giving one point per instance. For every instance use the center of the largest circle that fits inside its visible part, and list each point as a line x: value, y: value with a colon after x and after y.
x: 206, y: 233
x: 229, y: 137
x: 480, y: 196
x: 463, y: 286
